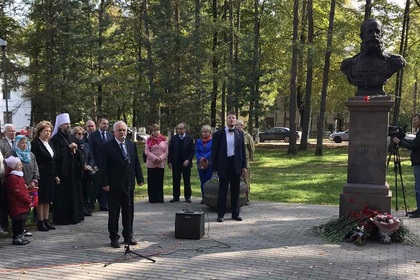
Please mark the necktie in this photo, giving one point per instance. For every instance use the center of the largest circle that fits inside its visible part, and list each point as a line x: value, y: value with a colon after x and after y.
x: 13, y: 143
x: 103, y: 137
x: 231, y: 129
x: 123, y: 151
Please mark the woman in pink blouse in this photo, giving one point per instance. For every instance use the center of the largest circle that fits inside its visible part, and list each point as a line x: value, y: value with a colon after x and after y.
x: 156, y: 151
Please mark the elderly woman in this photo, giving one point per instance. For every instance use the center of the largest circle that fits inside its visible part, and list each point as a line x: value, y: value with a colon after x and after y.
x: 90, y: 170
x: 156, y: 151
x: 203, y: 155
x: 22, y: 149
x: 43, y: 150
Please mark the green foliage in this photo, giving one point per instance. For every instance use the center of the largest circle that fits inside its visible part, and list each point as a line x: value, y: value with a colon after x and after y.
x: 151, y: 60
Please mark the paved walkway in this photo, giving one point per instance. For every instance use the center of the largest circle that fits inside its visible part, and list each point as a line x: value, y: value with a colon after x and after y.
x: 271, y: 243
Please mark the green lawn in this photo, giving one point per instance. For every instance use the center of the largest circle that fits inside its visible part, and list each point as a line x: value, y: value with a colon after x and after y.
x: 304, y: 178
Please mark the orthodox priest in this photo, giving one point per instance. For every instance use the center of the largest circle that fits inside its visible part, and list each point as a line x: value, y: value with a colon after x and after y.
x: 68, y: 196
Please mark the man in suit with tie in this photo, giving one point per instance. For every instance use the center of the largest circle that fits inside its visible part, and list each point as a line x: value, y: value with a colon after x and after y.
x: 181, y: 153
x: 96, y: 141
x: 120, y: 168
x: 7, y: 142
x: 228, y: 162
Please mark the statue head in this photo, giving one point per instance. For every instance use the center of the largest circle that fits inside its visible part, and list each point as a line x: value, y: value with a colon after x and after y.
x: 371, y: 33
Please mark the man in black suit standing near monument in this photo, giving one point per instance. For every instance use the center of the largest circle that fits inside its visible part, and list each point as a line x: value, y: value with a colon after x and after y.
x: 119, y: 170
x: 96, y: 141
x: 228, y: 159
x: 181, y: 153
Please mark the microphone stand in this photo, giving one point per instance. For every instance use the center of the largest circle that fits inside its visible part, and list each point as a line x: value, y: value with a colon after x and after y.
x: 127, y: 250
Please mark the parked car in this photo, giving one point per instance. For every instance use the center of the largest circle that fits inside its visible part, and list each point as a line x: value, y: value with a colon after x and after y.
x: 278, y: 133
x: 339, y: 137
x: 142, y: 137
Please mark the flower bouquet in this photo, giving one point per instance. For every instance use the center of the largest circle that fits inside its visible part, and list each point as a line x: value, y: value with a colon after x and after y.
x: 359, y: 226
x: 387, y: 225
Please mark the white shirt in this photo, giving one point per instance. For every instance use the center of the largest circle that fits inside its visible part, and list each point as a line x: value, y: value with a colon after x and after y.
x: 230, y: 141
x: 48, y: 147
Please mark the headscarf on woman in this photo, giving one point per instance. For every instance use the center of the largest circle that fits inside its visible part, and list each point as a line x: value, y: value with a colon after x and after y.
x: 24, y: 156
x: 152, y: 140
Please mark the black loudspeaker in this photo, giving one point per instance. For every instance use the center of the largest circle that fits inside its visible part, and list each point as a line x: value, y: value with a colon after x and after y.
x: 189, y: 225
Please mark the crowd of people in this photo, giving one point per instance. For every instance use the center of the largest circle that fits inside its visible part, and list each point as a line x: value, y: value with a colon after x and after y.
x: 65, y: 170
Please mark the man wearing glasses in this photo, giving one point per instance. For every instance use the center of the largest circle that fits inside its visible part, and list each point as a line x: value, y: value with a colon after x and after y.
x: 181, y: 152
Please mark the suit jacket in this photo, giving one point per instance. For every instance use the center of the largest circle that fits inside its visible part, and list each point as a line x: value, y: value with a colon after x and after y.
x: 46, y: 163
x: 95, y: 143
x: 5, y: 147
x: 188, y: 149
x: 219, y: 152
x: 115, y: 171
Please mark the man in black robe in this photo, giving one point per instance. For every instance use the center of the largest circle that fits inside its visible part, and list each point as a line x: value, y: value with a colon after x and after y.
x: 68, y: 196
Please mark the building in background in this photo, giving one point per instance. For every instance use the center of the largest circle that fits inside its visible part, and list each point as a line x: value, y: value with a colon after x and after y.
x: 19, y: 109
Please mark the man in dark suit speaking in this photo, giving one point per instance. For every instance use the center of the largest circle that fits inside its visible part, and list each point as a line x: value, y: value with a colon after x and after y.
x: 119, y: 169
x: 228, y: 162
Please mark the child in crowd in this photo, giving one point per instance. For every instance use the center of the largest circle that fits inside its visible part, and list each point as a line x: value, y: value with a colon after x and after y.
x: 18, y: 197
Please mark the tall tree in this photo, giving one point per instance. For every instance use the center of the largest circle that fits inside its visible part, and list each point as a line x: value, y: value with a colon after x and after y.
x: 292, y: 149
x: 309, y: 71
x: 325, y: 80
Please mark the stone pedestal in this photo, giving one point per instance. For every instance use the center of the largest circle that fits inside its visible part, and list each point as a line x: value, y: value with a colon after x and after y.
x: 368, y: 143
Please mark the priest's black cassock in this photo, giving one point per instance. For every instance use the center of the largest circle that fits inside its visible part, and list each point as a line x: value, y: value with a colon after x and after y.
x: 68, y: 196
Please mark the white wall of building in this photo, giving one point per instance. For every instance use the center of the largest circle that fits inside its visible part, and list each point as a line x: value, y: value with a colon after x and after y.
x: 19, y: 108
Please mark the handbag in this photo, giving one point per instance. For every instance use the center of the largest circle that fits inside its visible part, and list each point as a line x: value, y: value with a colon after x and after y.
x: 33, y: 193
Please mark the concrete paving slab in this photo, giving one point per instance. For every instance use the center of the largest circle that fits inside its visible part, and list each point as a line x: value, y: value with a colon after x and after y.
x: 271, y: 243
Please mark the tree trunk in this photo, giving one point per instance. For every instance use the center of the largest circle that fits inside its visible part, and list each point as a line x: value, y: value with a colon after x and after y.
x: 215, y: 66
x: 400, y: 73
x: 292, y: 102
x: 368, y: 9
x: 309, y: 70
x: 327, y: 60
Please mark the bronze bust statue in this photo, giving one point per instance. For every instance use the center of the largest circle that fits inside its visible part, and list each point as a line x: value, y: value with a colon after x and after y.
x: 372, y: 67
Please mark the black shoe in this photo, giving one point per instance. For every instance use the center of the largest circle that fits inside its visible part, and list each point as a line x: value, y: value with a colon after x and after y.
x: 202, y: 202
x: 41, y: 226
x: 174, y: 200
x: 415, y: 215
x: 103, y: 208
x: 237, y: 218
x: 413, y: 212
x: 132, y: 241
x: 18, y: 241
x: 188, y: 200
x: 48, y: 225
x: 220, y: 219
x: 24, y: 239
x: 115, y: 243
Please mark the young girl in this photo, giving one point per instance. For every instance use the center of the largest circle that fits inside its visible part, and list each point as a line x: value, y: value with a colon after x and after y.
x: 18, y: 197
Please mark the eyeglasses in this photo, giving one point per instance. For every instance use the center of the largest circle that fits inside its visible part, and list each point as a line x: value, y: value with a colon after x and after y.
x: 79, y: 133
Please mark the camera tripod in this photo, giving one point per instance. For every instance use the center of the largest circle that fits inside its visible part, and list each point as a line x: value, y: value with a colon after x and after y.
x: 395, y: 154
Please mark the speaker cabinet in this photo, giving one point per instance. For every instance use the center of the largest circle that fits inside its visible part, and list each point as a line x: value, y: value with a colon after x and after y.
x: 189, y: 225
